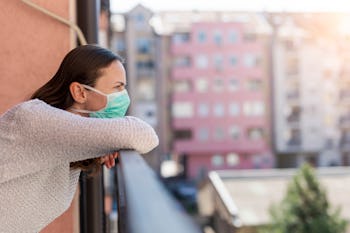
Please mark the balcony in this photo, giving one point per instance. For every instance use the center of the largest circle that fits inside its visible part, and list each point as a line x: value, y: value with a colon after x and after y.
x: 344, y: 121
x: 144, y: 205
x: 293, y: 96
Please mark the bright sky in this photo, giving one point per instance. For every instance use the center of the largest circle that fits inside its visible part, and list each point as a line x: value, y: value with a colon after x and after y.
x: 119, y: 6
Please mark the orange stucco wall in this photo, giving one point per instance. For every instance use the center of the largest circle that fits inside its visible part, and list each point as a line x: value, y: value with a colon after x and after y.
x: 32, y: 47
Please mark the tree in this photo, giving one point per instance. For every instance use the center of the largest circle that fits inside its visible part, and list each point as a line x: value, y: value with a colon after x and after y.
x: 305, y: 208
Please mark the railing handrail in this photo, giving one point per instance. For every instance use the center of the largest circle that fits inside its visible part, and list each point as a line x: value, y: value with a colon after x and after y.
x: 145, y: 206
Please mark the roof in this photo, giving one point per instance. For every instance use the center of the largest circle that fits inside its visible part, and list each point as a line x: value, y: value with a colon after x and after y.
x: 252, y: 192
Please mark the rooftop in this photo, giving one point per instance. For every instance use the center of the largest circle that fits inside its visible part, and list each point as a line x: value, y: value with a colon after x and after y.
x: 248, y: 195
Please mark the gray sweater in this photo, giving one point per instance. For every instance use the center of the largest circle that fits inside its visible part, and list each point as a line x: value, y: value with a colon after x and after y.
x: 37, y: 143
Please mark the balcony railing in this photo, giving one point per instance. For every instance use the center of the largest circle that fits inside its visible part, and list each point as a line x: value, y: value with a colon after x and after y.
x: 144, y: 205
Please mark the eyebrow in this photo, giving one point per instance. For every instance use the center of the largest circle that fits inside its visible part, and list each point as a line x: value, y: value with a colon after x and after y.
x: 119, y: 82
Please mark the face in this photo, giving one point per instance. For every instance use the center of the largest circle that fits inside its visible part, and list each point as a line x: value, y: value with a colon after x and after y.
x: 113, y: 79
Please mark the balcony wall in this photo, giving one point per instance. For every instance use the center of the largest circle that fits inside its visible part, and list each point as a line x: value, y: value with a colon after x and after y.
x: 145, y: 206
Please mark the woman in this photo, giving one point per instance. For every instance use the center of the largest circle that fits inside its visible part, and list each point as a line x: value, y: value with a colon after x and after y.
x: 45, y: 142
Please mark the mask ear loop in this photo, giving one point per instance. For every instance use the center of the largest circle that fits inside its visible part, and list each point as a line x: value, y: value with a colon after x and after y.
x: 93, y: 89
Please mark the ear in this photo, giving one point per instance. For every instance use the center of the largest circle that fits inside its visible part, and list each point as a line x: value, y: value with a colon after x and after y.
x: 78, y: 92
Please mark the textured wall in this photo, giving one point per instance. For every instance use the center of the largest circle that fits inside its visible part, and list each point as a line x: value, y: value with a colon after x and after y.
x: 32, y: 47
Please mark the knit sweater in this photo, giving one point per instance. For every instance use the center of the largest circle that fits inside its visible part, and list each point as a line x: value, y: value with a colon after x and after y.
x: 37, y: 144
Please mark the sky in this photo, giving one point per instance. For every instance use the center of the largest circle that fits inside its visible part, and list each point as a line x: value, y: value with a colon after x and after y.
x: 120, y: 6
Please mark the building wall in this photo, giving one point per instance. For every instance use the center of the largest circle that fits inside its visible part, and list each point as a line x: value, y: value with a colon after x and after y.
x: 213, y: 96
x: 142, y: 71
x: 306, y: 71
x: 32, y: 47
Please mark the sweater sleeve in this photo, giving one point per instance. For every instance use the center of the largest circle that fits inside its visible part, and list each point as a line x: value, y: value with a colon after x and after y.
x: 60, y: 135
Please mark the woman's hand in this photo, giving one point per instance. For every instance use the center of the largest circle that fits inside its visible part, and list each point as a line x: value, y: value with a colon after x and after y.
x: 109, y: 160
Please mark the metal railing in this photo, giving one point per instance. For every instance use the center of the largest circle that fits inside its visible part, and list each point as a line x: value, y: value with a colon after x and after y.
x: 144, y: 204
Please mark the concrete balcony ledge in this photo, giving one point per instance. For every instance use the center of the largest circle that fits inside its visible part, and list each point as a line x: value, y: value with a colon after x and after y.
x: 144, y: 205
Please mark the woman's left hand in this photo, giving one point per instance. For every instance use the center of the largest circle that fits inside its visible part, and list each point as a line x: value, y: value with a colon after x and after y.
x: 109, y: 160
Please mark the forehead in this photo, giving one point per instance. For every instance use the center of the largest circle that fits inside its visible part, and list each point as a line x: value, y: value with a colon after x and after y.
x: 112, y: 74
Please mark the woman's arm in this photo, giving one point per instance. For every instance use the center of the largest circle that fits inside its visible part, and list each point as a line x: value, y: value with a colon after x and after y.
x: 70, y: 137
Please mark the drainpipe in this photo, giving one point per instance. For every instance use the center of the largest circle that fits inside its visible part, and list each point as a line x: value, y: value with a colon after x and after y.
x: 92, y: 219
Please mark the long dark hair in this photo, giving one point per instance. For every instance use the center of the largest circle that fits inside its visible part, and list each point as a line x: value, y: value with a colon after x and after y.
x: 83, y: 65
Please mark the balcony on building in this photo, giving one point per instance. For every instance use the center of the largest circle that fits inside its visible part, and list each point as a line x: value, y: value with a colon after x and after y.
x: 146, y: 68
x: 180, y: 43
x: 344, y: 95
x: 345, y: 140
x: 344, y: 121
x: 293, y: 139
x: 294, y: 115
x: 293, y: 96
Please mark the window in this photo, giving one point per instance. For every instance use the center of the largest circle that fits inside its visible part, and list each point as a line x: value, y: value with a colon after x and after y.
x: 183, y: 134
x: 233, y: 84
x: 293, y: 137
x: 219, y: 133
x: 255, y: 133
x: 233, y: 60
x: 234, y: 132
x: 203, y: 134
x: 217, y: 160
x: 254, y: 85
x: 219, y: 110
x: 145, y: 89
x: 140, y: 21
x: 202, y: 85
x: 232, y: 159
x: 292, y: 66
x: 203, y: 109
x: 249, y: 37
x: 182, y: 61
x: 181, y: 86
x: 181, y: 38
x: 182, y: 109
x: 218, y: 62
x: 251, y: 60
x: 259, y: 108
x: 201, y: 61
x: 256, y: 108
x: 234, y: 109
x: 143, y: 45
x: 217, y: 38
x: 145, y: 64
x: 233, y: 36
x: 120, y: 46
x: 218, y: 84
x: 202, y: 37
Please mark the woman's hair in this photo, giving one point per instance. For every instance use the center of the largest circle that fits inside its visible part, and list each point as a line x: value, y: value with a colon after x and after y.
x: 83, y: 65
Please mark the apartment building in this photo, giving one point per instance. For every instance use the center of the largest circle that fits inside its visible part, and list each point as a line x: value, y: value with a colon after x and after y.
x: 220, y: 96
x: 306, y: 69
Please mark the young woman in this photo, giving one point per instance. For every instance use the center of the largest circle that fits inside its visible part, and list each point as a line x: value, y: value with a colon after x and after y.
x: 74, y: 122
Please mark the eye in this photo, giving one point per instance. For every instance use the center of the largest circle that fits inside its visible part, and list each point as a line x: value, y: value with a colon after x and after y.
x: 120, y: 87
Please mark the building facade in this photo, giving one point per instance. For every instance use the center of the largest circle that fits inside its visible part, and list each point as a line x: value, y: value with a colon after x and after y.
x: 220, y: 97
x: 135, y: 40
x: 306, y: 69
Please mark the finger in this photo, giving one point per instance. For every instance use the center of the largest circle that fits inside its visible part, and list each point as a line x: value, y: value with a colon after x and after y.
x: 102, y: 159
x: 107, y: 164
x: 111, y: 160
x: 116, y: 154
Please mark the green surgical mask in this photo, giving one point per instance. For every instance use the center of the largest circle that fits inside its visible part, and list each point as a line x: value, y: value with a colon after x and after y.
x: 117, y: 104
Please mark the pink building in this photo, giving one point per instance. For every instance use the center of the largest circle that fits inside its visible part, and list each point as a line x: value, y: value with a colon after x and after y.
x: 220, y: 98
